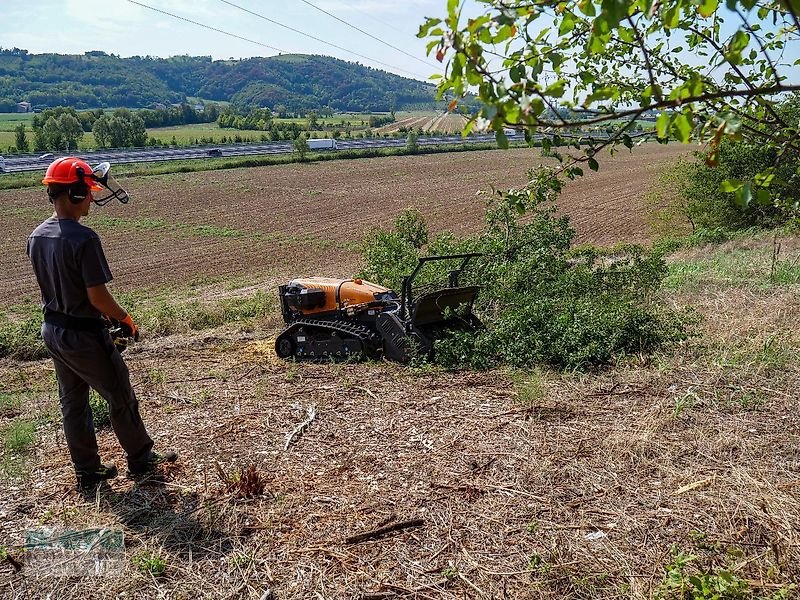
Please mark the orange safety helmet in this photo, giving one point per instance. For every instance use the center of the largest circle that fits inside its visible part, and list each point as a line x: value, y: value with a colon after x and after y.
x: 82, y: 178
x: 70, y: 170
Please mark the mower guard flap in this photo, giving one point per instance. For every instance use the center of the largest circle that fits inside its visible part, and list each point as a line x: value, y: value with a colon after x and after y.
x: 431, y: 308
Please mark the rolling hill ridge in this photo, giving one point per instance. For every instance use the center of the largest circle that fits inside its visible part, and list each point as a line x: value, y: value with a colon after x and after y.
x: 296, y: 81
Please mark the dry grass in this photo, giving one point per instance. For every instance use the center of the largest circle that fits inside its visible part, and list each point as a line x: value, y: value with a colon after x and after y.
x: 543, y: 485
x: 519, y: 485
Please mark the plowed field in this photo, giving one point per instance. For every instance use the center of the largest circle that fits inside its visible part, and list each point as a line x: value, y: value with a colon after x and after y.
x: 442, y: 123
x: 305, y: 219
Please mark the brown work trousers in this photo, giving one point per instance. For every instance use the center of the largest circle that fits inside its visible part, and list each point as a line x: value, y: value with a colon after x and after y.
x: 86, y: 359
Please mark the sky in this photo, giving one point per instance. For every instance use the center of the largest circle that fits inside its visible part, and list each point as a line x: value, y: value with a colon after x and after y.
x: 123, y: 28
x: 126, y: 29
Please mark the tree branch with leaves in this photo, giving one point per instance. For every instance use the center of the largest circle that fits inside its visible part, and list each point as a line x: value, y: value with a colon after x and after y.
x: 705, y: 71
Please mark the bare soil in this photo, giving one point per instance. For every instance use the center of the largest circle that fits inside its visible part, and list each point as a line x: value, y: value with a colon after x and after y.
x: 307, y: 219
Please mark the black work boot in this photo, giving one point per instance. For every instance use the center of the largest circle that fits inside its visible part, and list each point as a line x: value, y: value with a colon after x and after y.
x: 138, y: 469
x: 90, y: 479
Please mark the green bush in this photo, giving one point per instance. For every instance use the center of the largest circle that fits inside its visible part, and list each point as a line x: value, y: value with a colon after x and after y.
x: 542, y: 301
x: 410, y: 225
x: 387, y: 257
x: 150, y: 563
x: 688, y: 195
x: 684, y: 580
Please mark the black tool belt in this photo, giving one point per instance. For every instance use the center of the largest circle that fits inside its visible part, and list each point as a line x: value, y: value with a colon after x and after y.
x: 77, y: 323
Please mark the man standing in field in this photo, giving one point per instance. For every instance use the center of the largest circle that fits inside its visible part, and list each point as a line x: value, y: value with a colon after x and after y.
x: 72, y: 273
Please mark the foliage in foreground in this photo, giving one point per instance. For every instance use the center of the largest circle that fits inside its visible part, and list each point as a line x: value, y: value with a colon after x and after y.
x: 555, y: 65
x: 543, y: 301
x: 689, y: 577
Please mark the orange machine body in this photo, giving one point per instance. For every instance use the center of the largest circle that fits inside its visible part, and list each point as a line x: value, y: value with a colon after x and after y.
x: 348, y: 292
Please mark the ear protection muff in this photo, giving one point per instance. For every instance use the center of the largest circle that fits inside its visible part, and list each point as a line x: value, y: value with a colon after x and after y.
x: 78, y: 190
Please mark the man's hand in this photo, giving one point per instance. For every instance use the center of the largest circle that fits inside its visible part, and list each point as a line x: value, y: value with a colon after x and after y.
x: 129, y: 328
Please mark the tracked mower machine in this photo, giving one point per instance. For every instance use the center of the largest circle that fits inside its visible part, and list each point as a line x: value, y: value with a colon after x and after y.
x: 343, y: 318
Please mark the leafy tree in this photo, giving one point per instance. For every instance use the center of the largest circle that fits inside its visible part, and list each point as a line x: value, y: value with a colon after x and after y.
x: 100, y: 80
x: 56, y: 128
x: 22, y: 144
x: 71, y: 130
x: 412, y: 144
x: 123, y: 129
x: 49, y: 137
x: 102, y: 132
x: 301, y: 146
x: 705, y: 71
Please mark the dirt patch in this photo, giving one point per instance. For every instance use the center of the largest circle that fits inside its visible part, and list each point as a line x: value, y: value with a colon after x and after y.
x: 579, y: 492
x: 307, y: 219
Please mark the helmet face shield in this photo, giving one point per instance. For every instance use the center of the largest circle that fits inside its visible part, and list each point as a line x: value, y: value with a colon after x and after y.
x: 110, y: 189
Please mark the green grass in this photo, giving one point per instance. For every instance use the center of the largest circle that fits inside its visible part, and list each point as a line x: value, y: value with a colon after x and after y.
x: 19, y: 332
x: 736, y: 268
x: 17, y: 439
x: 128, y: 224
x: 187, y: 230
x: 170, y: 311
x: 8, y: 138
x: 196, y: 99
x: 18, y: 436
x: 787, y: 273
x: 155, y: 224
x: 219, y: 232
x: 8, y: 121
x: 10, y: 404
x: 188, y: 134
x: 529, y: 387
x: 774, y: 353
x: 149, y: 563
x: 100, y: 410
x: 163, y: 315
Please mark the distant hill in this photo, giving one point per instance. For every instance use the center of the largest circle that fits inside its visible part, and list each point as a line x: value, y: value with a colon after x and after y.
x: 297, y: 81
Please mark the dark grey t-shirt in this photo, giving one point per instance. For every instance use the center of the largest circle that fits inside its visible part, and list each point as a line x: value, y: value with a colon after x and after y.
x: 67, y: 258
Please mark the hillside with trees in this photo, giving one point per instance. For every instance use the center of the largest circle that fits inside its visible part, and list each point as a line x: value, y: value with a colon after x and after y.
x: 296, y: 82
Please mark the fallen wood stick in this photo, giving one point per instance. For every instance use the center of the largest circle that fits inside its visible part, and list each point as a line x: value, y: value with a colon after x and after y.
x: 363, y: 389
x: 368, y: 535
x: 311, y: 414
